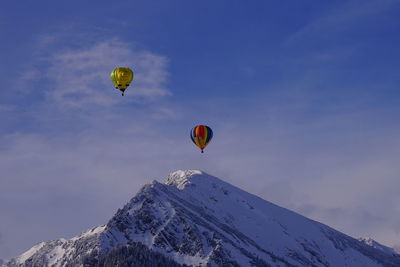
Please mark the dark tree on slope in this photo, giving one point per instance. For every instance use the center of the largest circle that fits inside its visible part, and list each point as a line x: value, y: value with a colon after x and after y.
x: 130, y: 255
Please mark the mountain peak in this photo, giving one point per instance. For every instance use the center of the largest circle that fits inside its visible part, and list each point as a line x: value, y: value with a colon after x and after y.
x: 181, y: 178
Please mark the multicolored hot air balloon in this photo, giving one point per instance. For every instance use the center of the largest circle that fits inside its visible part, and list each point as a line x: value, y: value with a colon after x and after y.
x: 201, y: 135
x: 121, y: 77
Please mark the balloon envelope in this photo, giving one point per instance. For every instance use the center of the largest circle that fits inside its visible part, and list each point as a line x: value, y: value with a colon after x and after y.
x: 121, y: 77
x: 201, y: 136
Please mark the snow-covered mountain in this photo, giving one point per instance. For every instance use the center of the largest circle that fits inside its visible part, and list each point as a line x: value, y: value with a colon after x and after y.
x: 199, y: 220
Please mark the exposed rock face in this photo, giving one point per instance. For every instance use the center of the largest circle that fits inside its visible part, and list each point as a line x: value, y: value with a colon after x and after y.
x: 199, y: 220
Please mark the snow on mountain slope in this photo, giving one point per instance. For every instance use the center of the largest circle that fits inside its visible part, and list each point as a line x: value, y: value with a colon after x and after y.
x: 197, y: 219
x: 369, y: 241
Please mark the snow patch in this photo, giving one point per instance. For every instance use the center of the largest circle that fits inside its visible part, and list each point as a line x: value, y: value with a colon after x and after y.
x: 55, y: 255
x: 181, y: 178
x: 93, y: 231
x: 370, y: 242
x: 23, y: 257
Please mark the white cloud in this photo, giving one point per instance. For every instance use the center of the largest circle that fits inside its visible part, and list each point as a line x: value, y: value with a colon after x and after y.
x: 80, y: 77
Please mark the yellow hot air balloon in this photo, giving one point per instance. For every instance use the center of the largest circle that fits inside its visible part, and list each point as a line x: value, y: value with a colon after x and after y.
x: 121, y: 77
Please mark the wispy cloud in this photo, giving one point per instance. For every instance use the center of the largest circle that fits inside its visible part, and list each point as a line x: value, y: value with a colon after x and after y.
x: 74, y: 77
x: 340, y: 18
x: 79, y: 77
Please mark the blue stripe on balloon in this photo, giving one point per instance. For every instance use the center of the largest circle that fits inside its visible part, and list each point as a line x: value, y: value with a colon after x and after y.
x: 192, y: 134
x: 209, y: 134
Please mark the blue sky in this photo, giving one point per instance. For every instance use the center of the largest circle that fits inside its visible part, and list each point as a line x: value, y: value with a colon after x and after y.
x: 303, y: 97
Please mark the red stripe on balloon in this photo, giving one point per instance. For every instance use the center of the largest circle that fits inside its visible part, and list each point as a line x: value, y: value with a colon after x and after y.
x: 201, y: 132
